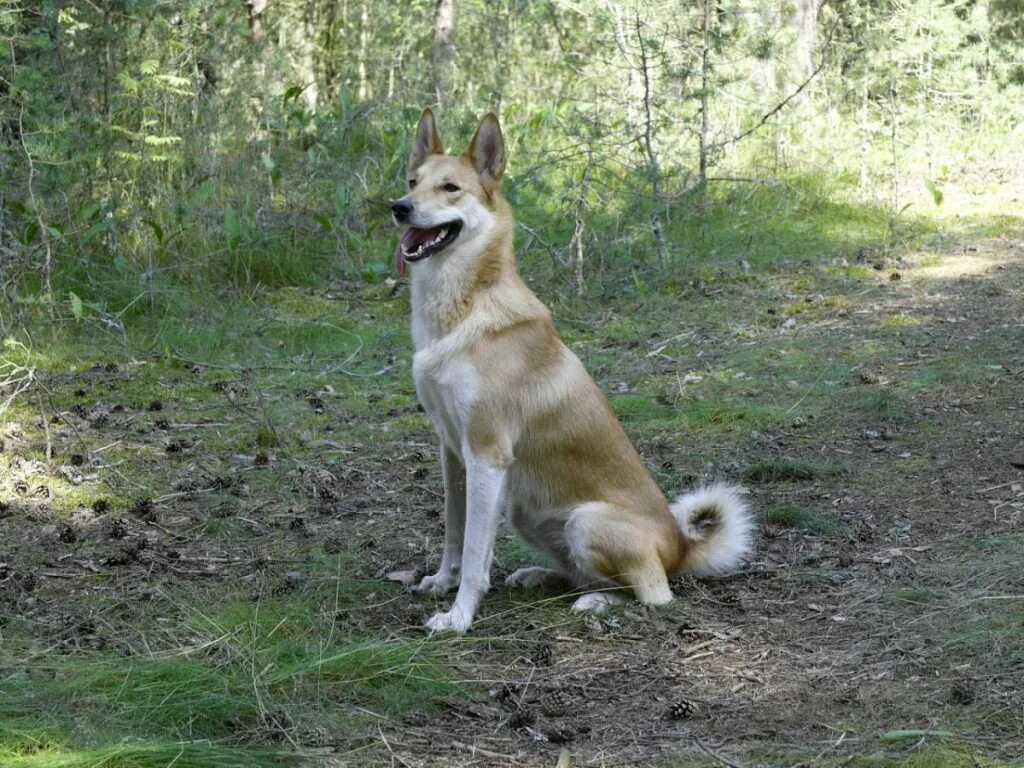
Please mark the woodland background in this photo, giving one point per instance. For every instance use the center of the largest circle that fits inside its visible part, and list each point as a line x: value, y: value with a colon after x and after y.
x: 785, y: 237
x: 150, y: 147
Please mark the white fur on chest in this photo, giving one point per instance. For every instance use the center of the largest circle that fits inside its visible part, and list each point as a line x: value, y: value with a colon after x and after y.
x: 447, y: 383
x: 448, y: 392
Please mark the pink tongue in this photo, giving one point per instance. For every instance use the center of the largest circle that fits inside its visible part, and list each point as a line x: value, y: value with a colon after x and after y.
x: 411, y: 240
x: 399, y: 260
x: 413, y: 237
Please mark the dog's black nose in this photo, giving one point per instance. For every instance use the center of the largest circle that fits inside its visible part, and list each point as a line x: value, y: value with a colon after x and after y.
x: 401, y: 209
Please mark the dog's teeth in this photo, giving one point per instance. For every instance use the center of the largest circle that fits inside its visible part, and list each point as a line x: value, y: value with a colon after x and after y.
x: 440, y: 236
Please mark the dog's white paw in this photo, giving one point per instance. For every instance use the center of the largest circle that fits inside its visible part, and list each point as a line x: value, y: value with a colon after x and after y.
x: 596, y: 602
x: 438, y: 584
x: 450, y: 621
x: 534, y: 576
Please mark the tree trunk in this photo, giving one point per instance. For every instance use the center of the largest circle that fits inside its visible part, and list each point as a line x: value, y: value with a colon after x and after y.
x: 443, y: 52
x: 364, y: 41
x: 256, y: 9
x: 307, y: 46
x: 705, y: 98
x: 108, y: 77
x: 579, y: 233
x: 865, y: 131
x: 894, y: 139
x: 650, y: 144
x: 633, y: 90
x: 805, y: 22
x: 327, y: 64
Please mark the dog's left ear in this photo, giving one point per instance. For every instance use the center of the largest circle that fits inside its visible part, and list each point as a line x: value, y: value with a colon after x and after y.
x: 487, y: 149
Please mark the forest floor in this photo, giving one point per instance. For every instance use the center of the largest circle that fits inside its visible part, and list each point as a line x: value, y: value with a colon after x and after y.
x: 198, y: 520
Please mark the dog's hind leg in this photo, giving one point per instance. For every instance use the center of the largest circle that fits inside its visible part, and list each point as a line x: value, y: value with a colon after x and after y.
x: 607, y: 545
x: 597, y: 602
x: 544, y: 533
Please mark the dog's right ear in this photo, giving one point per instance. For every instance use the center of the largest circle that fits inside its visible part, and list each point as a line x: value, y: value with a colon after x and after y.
x: 427, y: 141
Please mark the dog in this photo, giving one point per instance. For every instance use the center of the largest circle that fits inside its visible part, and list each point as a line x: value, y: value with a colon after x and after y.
x: 523, y: 428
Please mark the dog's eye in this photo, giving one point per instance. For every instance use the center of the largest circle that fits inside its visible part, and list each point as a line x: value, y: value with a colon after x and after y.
x: 412, y: 183
x: 449, y: 187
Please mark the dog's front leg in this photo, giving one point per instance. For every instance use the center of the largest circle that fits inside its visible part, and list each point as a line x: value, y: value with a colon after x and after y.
x: 447, y: 576
x: 484, y: 483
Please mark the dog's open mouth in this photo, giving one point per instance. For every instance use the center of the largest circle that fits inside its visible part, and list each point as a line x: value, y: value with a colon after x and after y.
x: 418, y: 244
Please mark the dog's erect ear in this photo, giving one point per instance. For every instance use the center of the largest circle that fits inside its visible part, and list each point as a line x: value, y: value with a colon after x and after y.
x: 427, y: 141
x: 487, y: 149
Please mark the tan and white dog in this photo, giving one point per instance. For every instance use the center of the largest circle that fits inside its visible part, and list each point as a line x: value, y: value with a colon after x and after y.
x: 523, y: 428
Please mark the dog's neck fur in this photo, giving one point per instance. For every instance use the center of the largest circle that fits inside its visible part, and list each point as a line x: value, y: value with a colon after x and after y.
x: 478, y: 274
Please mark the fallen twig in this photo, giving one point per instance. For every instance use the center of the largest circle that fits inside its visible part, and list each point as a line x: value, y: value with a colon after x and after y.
x: 475, y: 750
x: 712, y: 754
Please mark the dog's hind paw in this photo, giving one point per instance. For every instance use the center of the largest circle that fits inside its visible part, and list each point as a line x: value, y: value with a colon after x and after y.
x: 597, y: 602
x: 438, y: 584
x: 451, y: 621
x: 535, y: 576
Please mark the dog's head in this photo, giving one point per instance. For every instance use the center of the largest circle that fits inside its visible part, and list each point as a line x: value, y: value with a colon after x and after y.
x: 450, y: 201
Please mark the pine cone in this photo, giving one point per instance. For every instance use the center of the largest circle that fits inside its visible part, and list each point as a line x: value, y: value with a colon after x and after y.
x: 522, y: 717
x: 504, y: 695
x: 554, y: 704
x: 682, y: 709
x: 416, y: 717
x: 561, y: 735
x: 543, y: 655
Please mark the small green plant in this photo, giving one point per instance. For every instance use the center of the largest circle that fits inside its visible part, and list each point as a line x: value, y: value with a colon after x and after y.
x: 774, y: 471
x: 876, y: 403
x: 919, y: 595
x: 925, y: 754
x: 266, y: 437
x: 801, y: 519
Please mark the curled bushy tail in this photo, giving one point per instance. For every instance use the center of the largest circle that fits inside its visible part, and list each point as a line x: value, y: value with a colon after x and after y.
x: 717, y: 523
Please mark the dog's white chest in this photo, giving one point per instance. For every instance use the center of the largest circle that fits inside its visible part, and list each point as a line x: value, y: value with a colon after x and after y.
x: 448, y: 392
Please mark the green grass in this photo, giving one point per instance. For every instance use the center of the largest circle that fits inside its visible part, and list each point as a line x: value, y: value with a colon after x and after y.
x: 995, y: 624
x: 926, y: 757
x: 510, y: 553
x: 895, y: 322
x: 45, y: 752
x: 801, y: 519
x: 773, y: 471
x: 877, y: 403
x: 646, y: 414
x: 916, y: 594
x: 223, y: 682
